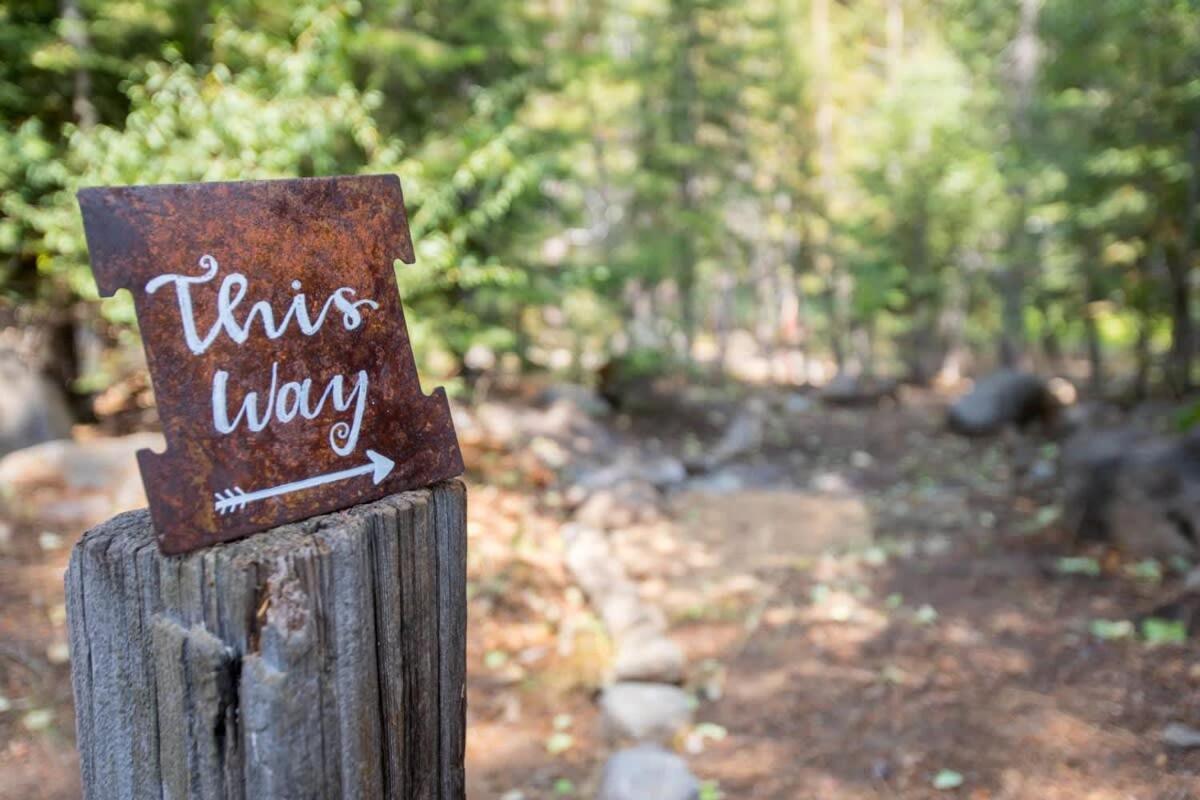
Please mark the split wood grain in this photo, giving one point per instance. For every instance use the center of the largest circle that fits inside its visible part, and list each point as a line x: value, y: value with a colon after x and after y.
x: 323, y: 659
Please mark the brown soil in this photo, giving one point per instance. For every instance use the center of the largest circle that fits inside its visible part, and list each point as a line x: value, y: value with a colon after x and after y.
x: 935, y: 634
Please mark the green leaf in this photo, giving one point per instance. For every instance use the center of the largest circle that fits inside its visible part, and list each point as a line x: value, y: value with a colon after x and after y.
x: 1148, y: 570
x: 926, y: 615
x: 1163, y: 631
x: 559, y: 742
x: 1109, y: 630
x: 1078, y: 565
x: 947, y: 779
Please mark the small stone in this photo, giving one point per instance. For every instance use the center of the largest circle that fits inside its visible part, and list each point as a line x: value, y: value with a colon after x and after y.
x: 624, y: 611
x: 501, y: 425
x: 647, y: 655
x: 1043, y: 471
x: 831, y: 482
x: 647, y: 772
x: 797, y: 404
x: 550, y: 452
x: 646, y: 711
x: 58, y: 653
x: 663, y: 471
x: 620, y: 506
x: 582, y: 397
x: 38, y: 719
x: 1181, y: 736
x: 48, y: 540
x: 723, y: 482
x: 593, y: 564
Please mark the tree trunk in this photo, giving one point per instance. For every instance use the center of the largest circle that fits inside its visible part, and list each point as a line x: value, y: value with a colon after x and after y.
x: 683, y: 130
x: 840, y: 286
x: 895, y: 40
x: 1025, y: 58
x: 1143, y: 354
x: 75, y: 34
x: 801, y: 264
x: 324, y: 659
x: 1183, y: 334
x: 723, y: 311
x: 952, y: 325
x: 1092, y: 296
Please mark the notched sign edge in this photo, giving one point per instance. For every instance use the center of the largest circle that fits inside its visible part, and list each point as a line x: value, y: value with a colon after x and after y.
x: 116, y: 240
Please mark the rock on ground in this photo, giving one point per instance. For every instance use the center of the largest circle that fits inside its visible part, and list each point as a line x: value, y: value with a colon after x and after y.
x: 1138, y: 491
x: 96, y: 464
x: 645, y: 711
x: 598, y: 571
x: 87, y: 479
x: 1181, y: 736
x: 584, y: 398
x: 645, y: 654
x: 32, y: 410
x: 631, y: 464
x: 647, y: 773
x: 744, y: 435
x: 1007, y: 397
x: 592, y: 563
x: 620, y: 506
x: 848, y: 389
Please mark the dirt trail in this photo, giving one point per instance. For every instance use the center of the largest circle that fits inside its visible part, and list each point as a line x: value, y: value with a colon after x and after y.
x: 876, y: 604
x: 948, y: 643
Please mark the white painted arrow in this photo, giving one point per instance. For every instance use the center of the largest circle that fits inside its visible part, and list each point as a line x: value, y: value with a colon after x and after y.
x: 235, y: 499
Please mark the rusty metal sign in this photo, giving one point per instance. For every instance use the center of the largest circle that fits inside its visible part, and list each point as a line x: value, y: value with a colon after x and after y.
x: 281, y: 364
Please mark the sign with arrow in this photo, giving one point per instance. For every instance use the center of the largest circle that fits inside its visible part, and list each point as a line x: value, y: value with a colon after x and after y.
x: 276, y: 344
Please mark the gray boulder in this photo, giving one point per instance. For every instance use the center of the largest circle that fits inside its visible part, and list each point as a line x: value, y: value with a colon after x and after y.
x: 1137, y: 491
x: 100, y: 465
x: 849, y: 389
x: 1007, y: 397
x: 32, y: 410
x: 647, y: 773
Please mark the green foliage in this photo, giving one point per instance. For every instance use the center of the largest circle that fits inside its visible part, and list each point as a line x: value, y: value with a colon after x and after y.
x: 947, y: 779
x: 1078, y: 565
x: 1109, y: 630
x: 1162, y: 631
x: 626, y: 175
x: 1189, y: 417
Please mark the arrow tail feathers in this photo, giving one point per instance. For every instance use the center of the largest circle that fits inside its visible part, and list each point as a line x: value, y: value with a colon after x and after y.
x: 230, y: 500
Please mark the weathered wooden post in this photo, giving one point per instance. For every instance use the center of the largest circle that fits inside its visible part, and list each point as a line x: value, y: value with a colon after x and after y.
x: 324, y: 657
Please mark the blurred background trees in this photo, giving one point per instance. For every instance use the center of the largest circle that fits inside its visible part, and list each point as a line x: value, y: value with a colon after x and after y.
x: 876, y: 186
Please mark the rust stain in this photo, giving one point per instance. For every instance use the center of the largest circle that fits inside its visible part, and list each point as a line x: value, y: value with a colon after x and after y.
x: 296, y: 258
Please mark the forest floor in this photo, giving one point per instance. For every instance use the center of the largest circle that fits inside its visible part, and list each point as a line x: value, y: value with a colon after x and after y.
x: 874, y: 608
